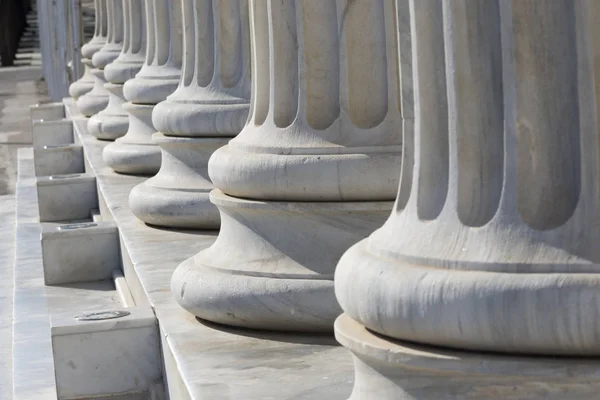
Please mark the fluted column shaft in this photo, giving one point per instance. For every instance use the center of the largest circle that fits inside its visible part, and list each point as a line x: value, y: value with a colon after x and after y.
x: 323, y: 134
x: 135, y: 153
x: 86, y: 83
x: 113, y: 122
x: 492, y: 243
x: 97, y: 99
x: 209, y: 107
x: 318, y: 106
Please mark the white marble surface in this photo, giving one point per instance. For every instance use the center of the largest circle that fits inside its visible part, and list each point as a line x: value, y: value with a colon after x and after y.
x: 113, y: 357
x: 313, y: 171
x: 35, y: 304
x: 209, y: 106
x: 58, y: 160
x: 7, y: 259
x: 86, y: 83
x: 135, y: 153
x: 388, y: 369
x: 66, y: 197
x: 87, y: 251
x: 51, y: 133
x: 33, y: 370
x: 47, y: 111
x: 207, y: 360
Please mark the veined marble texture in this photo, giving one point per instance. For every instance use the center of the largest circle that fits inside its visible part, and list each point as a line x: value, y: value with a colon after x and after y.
x: 209, y: 107
x: 113, y: 122
x: 96, y: 99
x: 313, y: 171
x: 86, y: 82
x: 135, y: 153
x: 492, y: 242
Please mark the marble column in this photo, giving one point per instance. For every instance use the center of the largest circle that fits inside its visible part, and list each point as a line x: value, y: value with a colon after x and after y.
x: 313, y: 171
x: 492, y: 245
x: 209, y: 107
x: 97, y: 99
x: 113, y: 122
x: 86, y: 82
x: 135, y: 153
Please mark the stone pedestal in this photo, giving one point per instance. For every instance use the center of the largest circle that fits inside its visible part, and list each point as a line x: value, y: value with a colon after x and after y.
x: 209, y: 107
x: 492, y: 243
x: 86, y: 83
x: 313, y: 171
x: 113, y: 122
x: 135, y: 153
x: 97, y: 99
x: 388, y: 369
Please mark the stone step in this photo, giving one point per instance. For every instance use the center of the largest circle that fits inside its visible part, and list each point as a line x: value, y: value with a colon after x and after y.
x: 7, y: 252
x: 69, y: 288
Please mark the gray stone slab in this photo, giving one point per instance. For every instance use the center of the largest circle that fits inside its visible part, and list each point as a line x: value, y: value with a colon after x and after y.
x: 7, y: 254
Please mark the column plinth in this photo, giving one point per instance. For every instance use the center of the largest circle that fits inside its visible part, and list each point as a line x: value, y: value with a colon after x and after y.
x: 257, y: 275
x: 97, y: 99
x: 132, y: 153
x: 135, y: 153
x: 323, y: 125
x: 209, y: 107
x: 388, y: 369
x: 178, y: 195
x: 491, y: 245
x: 86, y: 83
x: 113, y: 122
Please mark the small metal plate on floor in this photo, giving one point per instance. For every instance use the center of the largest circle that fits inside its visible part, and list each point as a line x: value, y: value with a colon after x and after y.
x: 101, y: 315
x: 76, y: 226
x: 56, y: 177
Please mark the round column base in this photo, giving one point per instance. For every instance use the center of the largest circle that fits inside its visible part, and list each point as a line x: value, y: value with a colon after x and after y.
x: 112, y: 122
x: 387, y: 369
x: 149, y: 90
x: 105, y: 126
x: 89, y: 49
x: 177, y: 196
x: 81, y: 87
x: 272, y: 264
x: 135, y: 153
x: 120, y: 72
x: 173, y: 208
x: 103, y: 57
x: 132, y: 158
x: 90, y: 104
x: 95, y: 100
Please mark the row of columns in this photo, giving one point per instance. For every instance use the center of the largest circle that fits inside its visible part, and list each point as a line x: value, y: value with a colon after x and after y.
x: 439, y: 158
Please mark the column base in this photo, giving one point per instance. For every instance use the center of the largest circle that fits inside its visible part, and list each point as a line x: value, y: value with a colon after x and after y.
x: 84, y: 84
x: 132, y: 158
x: 272, y: 264
x: 121, y: 71
x: 148, y: 90
x: 177, y: 196
x: 95, y: 100
x: 387, y: 369
x: 90, y: 48
x: 135, y: 153
x: 112, y: 122
x: 80, y: 87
